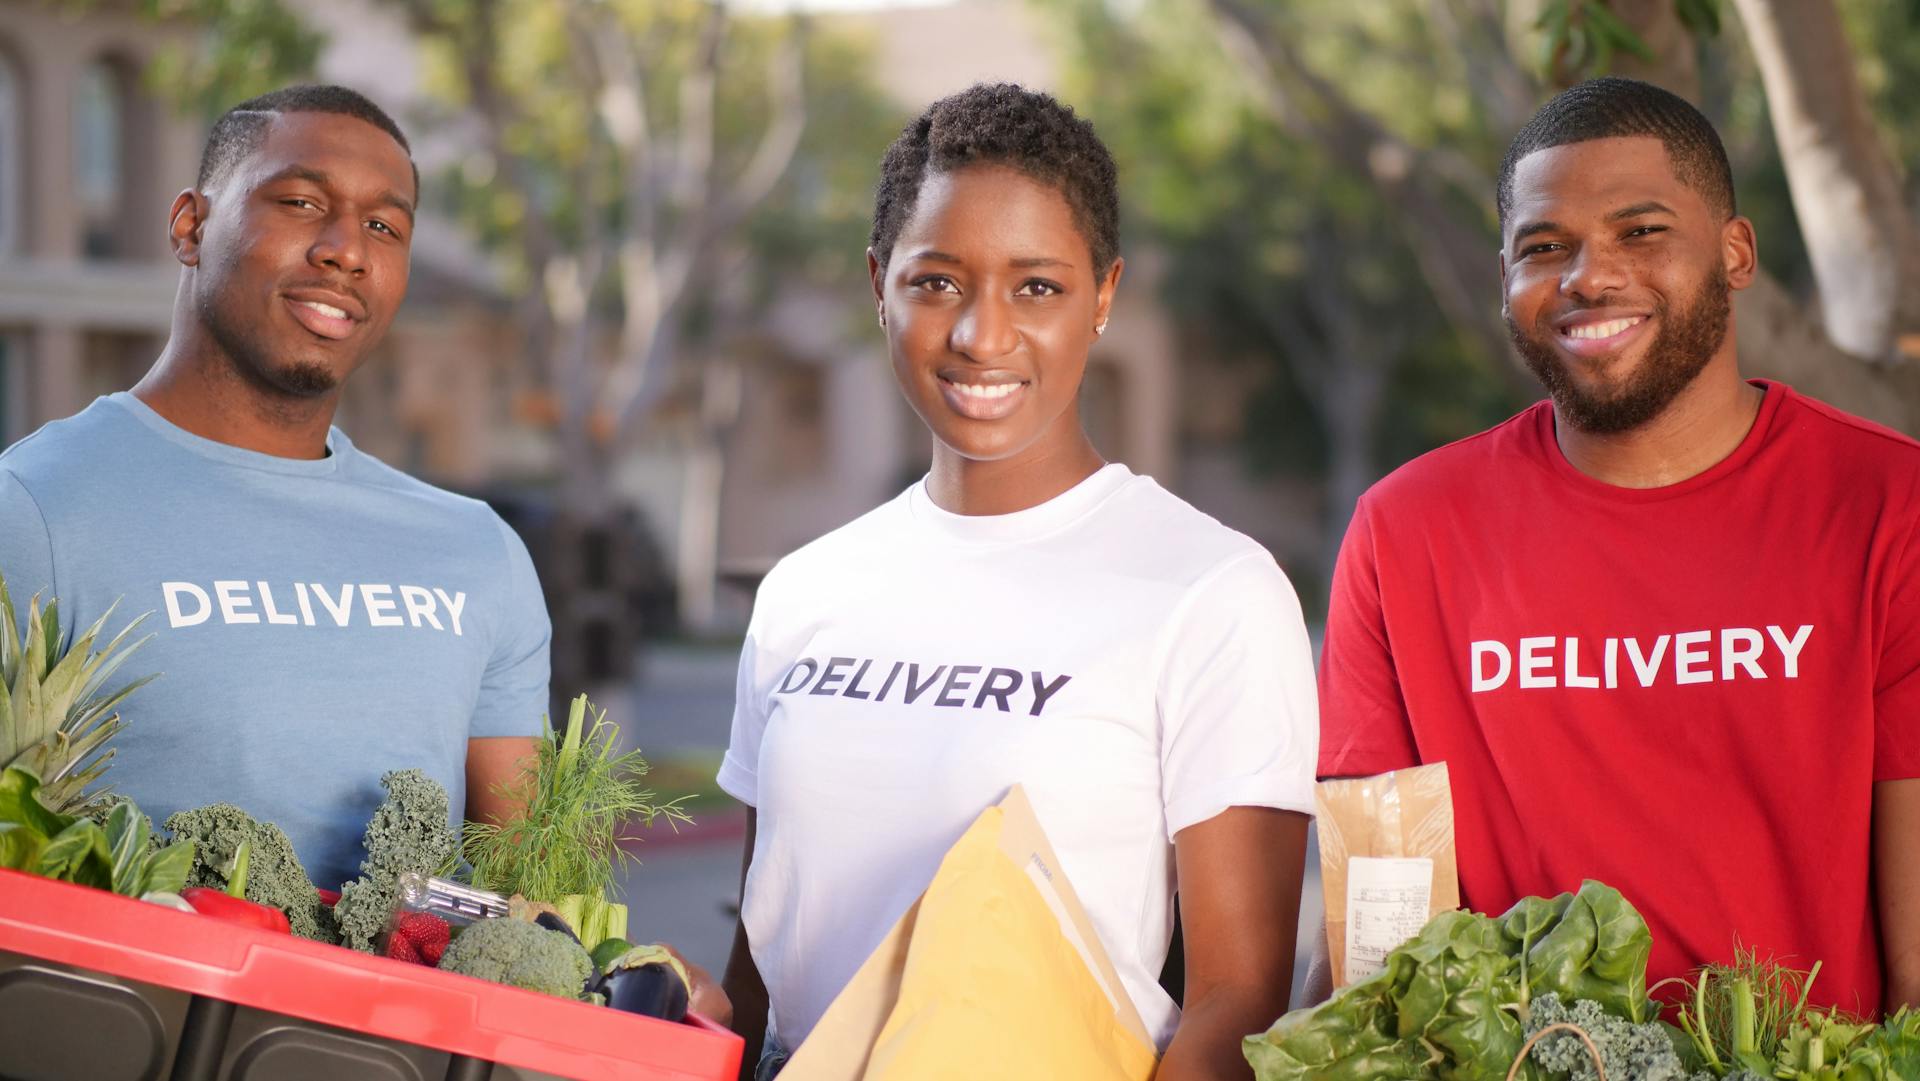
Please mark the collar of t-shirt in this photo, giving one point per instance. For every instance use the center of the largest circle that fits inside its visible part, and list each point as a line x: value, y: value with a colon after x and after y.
x: 338, y: 447
x: 1022, y: 526
x: 1547, y: 448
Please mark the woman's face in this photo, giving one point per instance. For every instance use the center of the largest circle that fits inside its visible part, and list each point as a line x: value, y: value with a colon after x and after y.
x: 990, y: 303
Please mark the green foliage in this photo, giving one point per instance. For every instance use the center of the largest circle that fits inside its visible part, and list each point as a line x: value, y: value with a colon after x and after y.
x: 1579, y: 39
x: 579, y: 797
x: 115, y: 853
x: 274, y: 876
x: 409, y: 832
x: 1629, y: 1051
x: 56, y: 714
x: 1279, y: 261
x: 1739, y: 1016
x: 520, y: 954
x: 141, y: 863
x: 249, y: 48
x: 1454, y: 1001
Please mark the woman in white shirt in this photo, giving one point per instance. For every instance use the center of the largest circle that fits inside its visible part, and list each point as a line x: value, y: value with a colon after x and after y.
x: 1026, y: 614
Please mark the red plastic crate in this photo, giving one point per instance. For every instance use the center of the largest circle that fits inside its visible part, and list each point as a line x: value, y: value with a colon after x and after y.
x: 407, y: 1003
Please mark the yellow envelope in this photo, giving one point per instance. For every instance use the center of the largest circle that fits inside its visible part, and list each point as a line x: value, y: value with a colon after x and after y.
x: 994, y: 972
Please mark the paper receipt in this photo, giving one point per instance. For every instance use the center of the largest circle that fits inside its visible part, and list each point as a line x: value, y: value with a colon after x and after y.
x: 1387, y: 904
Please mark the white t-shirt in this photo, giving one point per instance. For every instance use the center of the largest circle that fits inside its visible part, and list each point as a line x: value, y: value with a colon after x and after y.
x: 1136, y: 665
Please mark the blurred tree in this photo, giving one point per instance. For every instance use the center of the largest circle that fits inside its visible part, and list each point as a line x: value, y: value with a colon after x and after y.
x: 1848, y: 196
x: 1338, y: 169
x: 628, y: 168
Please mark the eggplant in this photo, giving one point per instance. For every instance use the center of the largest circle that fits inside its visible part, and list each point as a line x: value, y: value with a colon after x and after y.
x: 646, y: 980
x: 553, y: 922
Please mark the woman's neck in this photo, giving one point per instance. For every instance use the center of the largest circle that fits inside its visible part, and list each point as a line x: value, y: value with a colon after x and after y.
x: 961, y: 485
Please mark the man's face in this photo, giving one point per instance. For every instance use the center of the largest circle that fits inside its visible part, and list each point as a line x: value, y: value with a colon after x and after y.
x: 1618, y: 279
x: 302, y: 253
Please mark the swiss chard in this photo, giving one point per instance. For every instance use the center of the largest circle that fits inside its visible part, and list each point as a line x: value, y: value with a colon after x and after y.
x: 1451, y: 1002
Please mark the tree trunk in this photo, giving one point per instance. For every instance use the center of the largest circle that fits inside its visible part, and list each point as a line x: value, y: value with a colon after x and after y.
x: 1846, y: 192
x: 1778, y: 341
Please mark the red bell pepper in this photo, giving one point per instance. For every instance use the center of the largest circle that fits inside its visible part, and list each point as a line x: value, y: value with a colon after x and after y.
x: 222, y: 906
x: 231, y: 904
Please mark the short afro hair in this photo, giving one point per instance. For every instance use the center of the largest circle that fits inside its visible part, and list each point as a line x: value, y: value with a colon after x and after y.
x: 240, y: 129
x: 1009, y: 125
x: 1610, y: 108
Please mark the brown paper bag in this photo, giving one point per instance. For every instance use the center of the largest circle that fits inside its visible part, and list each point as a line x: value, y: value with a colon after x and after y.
x: 897, y: 1000
x: 1399, y: 827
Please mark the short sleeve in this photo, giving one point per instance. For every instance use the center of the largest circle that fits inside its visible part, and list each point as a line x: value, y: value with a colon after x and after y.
x: 1364, y: 727
x: 513, y: 690
x: 1238, y: 720
x: 739, y: 775
x: 1896, y: 688
x: 26, y: 546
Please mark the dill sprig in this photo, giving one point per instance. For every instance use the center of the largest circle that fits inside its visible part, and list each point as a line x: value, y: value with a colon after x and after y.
x: 568, y: 839
x: 1738, y: 1016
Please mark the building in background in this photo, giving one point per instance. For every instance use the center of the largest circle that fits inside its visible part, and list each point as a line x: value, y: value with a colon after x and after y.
x: 90, y: 162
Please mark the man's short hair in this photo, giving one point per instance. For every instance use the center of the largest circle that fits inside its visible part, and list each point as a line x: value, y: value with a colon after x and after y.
x: 1610, y: 108
x: 240, y: 130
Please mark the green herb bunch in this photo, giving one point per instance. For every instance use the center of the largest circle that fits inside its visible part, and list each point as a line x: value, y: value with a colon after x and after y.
x: 579, y: 797
x: 1739, y: 1016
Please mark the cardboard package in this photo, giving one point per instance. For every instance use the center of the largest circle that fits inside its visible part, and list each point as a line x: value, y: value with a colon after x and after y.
x: 994, y: 972
x: 1387, y: 862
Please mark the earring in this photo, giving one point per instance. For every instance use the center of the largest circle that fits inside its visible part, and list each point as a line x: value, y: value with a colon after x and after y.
x: 1100, y: 328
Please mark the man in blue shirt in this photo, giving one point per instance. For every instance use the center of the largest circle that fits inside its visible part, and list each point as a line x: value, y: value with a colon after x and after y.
x: 320, y: 618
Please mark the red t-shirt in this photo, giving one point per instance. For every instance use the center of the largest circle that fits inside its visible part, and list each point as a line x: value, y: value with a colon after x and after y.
x: 1685, y: 692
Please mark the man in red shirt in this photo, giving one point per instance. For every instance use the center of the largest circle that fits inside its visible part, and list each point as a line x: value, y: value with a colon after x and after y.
x: 1664, y: 628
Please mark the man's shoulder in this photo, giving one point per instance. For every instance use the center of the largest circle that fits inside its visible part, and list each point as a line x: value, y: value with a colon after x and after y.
x: 369, y: 472
x: 1473, y: 463
x: 70, y: 447
x: 1876, y: 443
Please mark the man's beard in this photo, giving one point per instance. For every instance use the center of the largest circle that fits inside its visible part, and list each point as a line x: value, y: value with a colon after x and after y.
x: 256, y: 363
x: 1686, y: 343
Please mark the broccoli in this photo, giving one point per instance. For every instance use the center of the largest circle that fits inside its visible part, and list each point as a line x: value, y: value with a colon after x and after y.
x: 521, y: 954
x: 274, y: 877
x: 408, y: 833
x: 1642, y: 1052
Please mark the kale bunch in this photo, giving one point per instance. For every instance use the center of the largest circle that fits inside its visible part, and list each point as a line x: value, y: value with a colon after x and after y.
x: 409, y: 832
x: 521, y: 954
x: 1631, y: 1052
x: 274, y: 874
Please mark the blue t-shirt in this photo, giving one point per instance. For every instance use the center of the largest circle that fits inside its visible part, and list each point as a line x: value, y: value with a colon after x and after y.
x: 316, y: 623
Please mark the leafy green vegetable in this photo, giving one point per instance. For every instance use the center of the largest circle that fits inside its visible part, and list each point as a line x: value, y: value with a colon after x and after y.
x: 1739, y: 1016
x: 140, y: 865
x: 409, y: 832
x: 578, y: 797
x: 1454, y: 1002
x: 275, y: 876
x: 118, y: 855
x: 1630, y: 1051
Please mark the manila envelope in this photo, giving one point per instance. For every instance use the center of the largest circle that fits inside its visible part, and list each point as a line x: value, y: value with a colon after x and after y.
x: 994, y: 972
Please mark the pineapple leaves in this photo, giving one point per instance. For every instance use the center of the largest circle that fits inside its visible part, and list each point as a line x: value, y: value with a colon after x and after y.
x: 56, y: 714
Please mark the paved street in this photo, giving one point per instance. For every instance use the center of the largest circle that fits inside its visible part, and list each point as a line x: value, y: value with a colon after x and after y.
x: 683, y: 891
